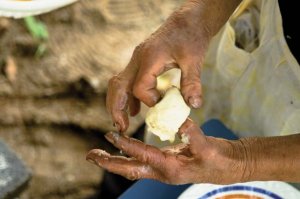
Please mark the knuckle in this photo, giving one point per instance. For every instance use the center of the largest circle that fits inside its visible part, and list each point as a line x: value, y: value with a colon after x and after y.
x: 118, y: 84
x: 190, y: 124
x: 138, y: 90
x: 191, y: 80
x: 191, y: 86
x: 186, y: 126
x: 134, y: 175
x: 114, y: 81
x: 146, y: 49
x: 145, y: 156
x: 138, y: 49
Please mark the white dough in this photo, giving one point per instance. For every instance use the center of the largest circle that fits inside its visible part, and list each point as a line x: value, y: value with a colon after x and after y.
x: 168, y: 79
x: 165, y: 118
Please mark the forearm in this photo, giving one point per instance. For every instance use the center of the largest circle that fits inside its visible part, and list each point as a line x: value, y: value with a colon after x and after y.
x: 272, y: 158
x: 209, y: 14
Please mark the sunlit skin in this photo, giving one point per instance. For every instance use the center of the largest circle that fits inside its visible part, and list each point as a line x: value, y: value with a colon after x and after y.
x: 182, y: 42
x: 203, y: 158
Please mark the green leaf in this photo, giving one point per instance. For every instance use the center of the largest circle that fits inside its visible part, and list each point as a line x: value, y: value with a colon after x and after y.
x: 41, y: 50
x: 36, y: 28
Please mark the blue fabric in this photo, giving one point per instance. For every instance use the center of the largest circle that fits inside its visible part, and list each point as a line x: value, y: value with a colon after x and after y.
x: 215, y: 128
x: 149, y: 189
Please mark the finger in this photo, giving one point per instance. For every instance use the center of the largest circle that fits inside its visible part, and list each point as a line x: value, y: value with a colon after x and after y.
x: 152, y: 65
x: 134, y: 105
x: 135, y: 148
x: 117, y: 102
x: 192, y: 134
x: 119, y: 95
x: 130, y: 168
x: 190, y: 84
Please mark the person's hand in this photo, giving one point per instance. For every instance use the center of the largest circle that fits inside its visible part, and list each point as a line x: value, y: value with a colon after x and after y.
x: 203, y: 159
x: 180, y: 42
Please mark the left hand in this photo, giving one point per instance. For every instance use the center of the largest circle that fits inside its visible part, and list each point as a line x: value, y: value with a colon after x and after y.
x: 203, y: 160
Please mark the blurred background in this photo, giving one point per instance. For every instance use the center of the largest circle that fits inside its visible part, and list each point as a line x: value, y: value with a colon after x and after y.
x: 54, y: 70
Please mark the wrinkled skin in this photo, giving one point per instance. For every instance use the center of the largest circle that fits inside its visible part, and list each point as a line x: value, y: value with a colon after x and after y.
x: 150, y: 59
x: 180, y: 42
x: 203, y: 159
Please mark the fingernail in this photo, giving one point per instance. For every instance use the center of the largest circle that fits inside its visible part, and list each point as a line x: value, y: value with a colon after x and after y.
x: 195, y: 102
x: 156, y: 98
x: 112, y: 136
x: 108, y: 136
x: 91, y: 161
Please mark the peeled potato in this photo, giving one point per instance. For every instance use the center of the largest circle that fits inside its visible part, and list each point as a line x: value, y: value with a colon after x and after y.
x: 165, y: 118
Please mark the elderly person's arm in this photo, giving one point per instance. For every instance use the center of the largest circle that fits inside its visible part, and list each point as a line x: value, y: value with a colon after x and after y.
x: 204, y: 159
x: 271, y: 158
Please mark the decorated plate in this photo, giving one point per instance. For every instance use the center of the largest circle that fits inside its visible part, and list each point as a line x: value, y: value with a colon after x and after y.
x: 250, y: 190
x: 23, y: 8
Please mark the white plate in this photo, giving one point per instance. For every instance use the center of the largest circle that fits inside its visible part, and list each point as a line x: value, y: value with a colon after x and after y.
x: 19, y: 8
x: 253, y: 190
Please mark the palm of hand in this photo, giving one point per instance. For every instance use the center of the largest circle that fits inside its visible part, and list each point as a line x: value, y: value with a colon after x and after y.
x: 203, y: 159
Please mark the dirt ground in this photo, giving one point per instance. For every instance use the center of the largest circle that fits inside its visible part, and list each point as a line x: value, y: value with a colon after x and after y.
x: 53, y: 105
x: 56, y: 158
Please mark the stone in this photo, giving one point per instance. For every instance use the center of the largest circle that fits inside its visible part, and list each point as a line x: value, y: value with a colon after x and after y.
x: 13, y: 173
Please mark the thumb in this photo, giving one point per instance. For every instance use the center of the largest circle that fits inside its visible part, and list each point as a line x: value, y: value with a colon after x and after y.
x: 193, y: 135
x: 144, y: 88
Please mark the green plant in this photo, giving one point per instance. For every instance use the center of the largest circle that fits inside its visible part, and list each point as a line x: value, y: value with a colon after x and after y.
x: 38, y: 30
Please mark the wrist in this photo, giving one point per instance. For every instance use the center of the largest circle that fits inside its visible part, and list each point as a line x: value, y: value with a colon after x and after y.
x: 191, y: 17
x: 209, y: 15
x: 234, y: 160
x: 243, y: 149
x: 270, y: 158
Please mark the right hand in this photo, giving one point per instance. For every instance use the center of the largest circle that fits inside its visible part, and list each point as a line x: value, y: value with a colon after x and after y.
x: 180, y: 42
